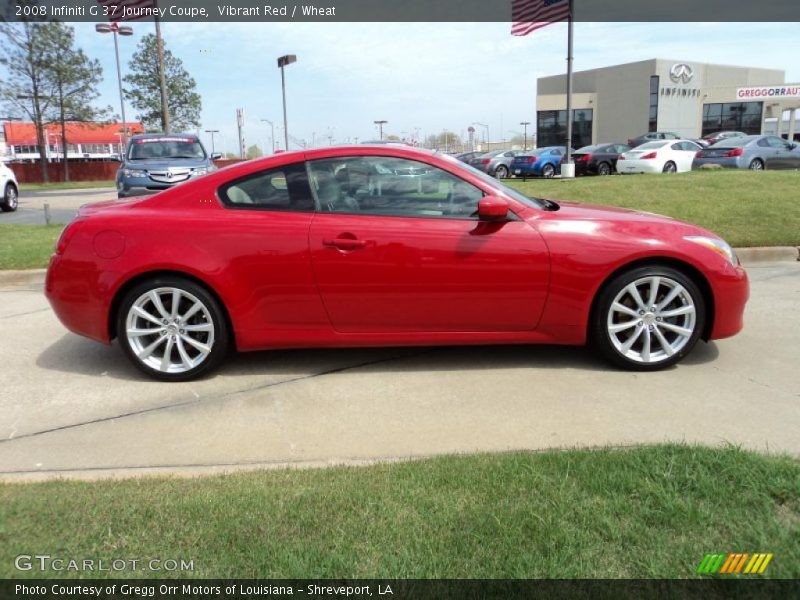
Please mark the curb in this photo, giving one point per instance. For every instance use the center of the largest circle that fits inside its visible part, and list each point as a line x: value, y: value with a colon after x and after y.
x: 768, y: 253
x: 746, y: 256
x: 28, y: 277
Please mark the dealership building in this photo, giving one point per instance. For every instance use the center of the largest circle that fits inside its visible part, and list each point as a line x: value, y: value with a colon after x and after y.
x: 689, y: 98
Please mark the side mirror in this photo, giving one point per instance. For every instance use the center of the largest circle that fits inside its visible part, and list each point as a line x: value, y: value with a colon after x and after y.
x: 216, y: 155
x: 492, y: 208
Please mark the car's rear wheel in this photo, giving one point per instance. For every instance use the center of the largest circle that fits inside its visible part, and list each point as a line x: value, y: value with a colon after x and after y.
x: 548, y: 171
x: 648, y: 318
x: 172, y: 329
x: 756, y: 164
x: 604, y: 169
x: 10, y: 200
x: 501, y: 172
x: 670, y: 167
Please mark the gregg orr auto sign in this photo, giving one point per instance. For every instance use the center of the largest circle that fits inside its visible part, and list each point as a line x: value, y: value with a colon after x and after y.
x: 768, y: 91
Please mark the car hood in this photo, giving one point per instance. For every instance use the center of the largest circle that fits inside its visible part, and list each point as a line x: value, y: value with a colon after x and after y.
x: 163, y: 164
x: 588, y: 218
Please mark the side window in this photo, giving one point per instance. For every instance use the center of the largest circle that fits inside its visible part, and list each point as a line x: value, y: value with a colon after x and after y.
x: 678, y: 146
x: 777, y: 143
x: 284, y: 188
x: 556, y: 152
x: 764, y: 142
x: 377, y: 185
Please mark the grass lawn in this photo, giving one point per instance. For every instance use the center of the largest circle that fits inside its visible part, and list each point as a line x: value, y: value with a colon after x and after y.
x: 745, y: 208
x: 64, y: 185
x: 27, y: 246
x: 639, y: 512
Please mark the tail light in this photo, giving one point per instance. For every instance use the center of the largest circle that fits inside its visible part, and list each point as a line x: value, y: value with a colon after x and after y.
x: 531, y: 160
x: 66, y: 235
x: 698, y: 154
x: 734, y: 152
x: 485, y: 161
x: 621, y: 157
x: 649, y: 155
x: 584, y: 158
x: 631, y: 142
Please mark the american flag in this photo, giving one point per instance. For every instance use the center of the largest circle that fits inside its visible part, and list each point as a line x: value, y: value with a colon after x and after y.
x: 115, y: 8
x: 530, y: 15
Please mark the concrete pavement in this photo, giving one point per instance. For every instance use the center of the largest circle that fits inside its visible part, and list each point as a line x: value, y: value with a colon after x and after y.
x: 71, y: 407
x: 64, y: 205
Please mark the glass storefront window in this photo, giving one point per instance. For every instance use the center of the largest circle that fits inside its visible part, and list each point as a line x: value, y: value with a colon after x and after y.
x: 732, y: 116
x: 551, y: 127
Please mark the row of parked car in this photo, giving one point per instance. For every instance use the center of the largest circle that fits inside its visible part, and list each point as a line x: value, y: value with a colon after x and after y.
x: 656, y: 152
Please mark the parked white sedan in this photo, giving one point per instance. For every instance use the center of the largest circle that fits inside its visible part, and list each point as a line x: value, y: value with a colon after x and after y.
x: 663, y: 156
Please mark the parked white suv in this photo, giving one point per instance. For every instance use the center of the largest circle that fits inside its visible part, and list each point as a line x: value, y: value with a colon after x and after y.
x: 9, y: 189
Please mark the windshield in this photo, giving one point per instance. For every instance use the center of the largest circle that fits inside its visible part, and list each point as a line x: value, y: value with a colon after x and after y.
x: 160, y: 148
x: 494, y: 183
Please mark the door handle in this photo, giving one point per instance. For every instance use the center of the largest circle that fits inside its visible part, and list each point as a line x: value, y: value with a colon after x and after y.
x: 344, y: 243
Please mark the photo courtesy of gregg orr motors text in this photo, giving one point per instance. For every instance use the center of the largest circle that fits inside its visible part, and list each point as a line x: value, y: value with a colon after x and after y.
x: 47, y: 563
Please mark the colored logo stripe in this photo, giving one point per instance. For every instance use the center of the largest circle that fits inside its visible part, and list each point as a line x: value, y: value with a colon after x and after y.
x: 734, y: 563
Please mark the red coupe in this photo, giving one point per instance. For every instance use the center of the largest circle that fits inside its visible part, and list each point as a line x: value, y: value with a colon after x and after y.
x: 384, y: 246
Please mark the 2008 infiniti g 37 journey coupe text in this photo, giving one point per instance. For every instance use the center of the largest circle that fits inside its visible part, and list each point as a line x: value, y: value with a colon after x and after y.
x: 383, y: 246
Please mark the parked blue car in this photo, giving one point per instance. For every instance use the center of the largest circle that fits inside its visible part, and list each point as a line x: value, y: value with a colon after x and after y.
x: 542, y: 162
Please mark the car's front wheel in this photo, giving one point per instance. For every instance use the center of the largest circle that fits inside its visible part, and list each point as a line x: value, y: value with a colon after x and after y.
x: 648, y: 318
x: 10, y: 199
x: 172, y: 329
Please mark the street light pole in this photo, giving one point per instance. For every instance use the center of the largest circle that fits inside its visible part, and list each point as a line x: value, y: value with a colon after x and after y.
x: 283, y: 61
x: 380, y: 125
x: 212, y: 132
x: 525, y: 143
x: 125, y: 30
x: 271, y: 135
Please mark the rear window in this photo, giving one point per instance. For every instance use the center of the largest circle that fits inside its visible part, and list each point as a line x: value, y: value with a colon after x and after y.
x: 734, y: 142
x: 652, y: 145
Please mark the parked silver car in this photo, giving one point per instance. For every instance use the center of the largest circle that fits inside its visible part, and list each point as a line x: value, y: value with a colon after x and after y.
x: 496, y: 163
x: 755, y: 152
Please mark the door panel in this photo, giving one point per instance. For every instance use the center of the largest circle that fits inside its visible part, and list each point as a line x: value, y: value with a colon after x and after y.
x: 428, y: 274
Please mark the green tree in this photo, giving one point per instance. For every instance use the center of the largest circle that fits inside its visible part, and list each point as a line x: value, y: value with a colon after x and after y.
x: 143, y: 90
x: 254, y: 152
x: 28, y: 87
x: 75, y: 79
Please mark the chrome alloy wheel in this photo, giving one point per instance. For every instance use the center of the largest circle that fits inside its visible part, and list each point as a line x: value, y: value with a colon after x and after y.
x: 651, y: 319
x: 170, y: 330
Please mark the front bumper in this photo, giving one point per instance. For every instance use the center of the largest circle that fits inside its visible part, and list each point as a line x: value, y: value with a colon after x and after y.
x: 731, y: 290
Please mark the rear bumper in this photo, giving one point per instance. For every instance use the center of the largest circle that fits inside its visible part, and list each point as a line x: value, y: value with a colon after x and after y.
x: 731, y: 291
x: 727, y: 163
x: 75, y: 291
x: 639, y: 166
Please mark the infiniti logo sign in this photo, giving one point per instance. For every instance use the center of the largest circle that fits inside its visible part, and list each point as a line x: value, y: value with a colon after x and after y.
x: 681, y: 73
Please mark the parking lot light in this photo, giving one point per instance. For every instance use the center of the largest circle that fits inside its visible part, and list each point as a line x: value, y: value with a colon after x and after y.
x: 283, y: 61
x: 125, y: 30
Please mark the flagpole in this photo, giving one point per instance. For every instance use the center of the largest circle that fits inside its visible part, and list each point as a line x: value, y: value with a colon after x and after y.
x: 569, y: 90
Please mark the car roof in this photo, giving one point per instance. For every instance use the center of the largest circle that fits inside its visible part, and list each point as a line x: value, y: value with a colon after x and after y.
x: 140, y: 136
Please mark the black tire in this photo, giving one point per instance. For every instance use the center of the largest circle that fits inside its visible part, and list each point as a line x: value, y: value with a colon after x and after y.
x: 604, y: 169
x: 548, y: 171
x: 601, y: 338
x: 501, y: 172
x: 670, y: 167
x: 220, y: 336
x: 756, y: 165
x: 10, y: 199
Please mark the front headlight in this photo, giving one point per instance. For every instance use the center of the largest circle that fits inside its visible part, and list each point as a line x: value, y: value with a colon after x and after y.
x: 719, y: 246
x: 134, y: 173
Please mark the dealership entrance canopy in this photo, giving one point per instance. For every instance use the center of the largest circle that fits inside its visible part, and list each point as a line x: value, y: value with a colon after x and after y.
x: 691, y: 99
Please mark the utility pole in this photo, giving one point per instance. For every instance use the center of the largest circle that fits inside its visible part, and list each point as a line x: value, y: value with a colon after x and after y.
x: 283, y: 61
x: 240, y: 126
x: 271, y: 134
x: 161, y: 73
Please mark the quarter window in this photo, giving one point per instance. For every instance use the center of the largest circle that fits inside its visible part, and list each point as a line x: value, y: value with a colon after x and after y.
x: 284, y: 188
x: 373, y: 185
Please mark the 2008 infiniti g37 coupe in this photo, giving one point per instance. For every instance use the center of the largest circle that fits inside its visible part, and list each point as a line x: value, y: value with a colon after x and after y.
x: 384, y: 246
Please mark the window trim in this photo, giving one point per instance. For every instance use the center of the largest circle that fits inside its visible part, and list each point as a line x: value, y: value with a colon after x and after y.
x: 512, y: 214
x: 222, y: 196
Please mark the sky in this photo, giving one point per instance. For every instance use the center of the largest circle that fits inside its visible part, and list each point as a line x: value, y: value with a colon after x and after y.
x: 420, y: 77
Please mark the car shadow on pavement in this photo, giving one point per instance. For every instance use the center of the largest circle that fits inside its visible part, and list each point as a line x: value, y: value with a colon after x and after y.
x: 73, y: 354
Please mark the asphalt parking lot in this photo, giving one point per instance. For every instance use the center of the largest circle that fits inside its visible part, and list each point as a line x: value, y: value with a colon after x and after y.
x: 64, y: 205
x: 72, y: 407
